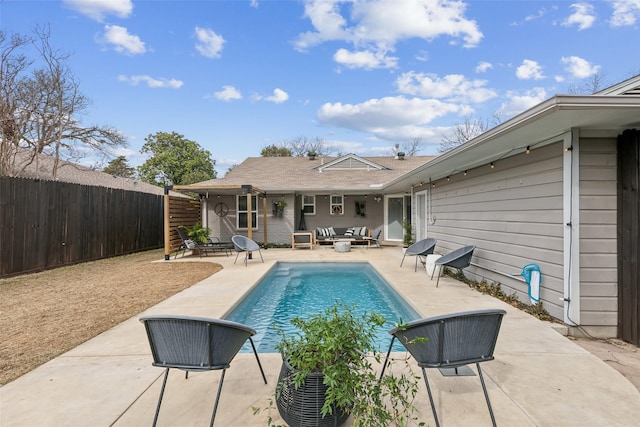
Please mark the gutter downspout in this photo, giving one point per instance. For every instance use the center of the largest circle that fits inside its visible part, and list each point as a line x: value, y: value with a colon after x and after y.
x: 571, y: 224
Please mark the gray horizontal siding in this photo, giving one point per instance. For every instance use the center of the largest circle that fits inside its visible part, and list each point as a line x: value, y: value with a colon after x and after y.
x: 513, y: 214
x: 598, y: 232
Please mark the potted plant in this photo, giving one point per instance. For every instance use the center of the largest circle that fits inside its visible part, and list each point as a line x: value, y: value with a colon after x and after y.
x: 327, y: 373
x: 407, y: 239
x: 198, y: 233
x: 278, y: 208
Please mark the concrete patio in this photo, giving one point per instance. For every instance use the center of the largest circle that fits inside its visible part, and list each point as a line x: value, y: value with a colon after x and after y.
x: 539, y: 377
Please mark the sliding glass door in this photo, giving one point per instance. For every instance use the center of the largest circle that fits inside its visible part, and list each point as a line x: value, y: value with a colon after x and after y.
x: 396, y: 210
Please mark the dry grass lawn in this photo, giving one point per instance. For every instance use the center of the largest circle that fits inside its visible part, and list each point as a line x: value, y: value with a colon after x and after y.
x: 45, y: 314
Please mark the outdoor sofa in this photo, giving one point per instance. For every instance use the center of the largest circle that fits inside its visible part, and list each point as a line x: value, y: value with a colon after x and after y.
x: 328, y: 235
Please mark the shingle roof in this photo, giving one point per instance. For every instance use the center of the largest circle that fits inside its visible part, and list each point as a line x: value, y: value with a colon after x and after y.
x: 77, y: 174
x: 300, y: 173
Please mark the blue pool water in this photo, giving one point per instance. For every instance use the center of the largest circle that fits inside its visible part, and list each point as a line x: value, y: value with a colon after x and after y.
x: 298, y: 289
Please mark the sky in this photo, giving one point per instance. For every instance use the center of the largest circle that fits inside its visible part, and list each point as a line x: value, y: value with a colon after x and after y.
x: 362, y: 75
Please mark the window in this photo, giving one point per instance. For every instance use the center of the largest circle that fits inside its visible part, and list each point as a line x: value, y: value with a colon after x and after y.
x: 242, y: 220
x: 309, y: 205
x: 336, y: 205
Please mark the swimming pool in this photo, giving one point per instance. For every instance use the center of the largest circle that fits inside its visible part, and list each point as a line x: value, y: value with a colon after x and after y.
x: 297, y: 289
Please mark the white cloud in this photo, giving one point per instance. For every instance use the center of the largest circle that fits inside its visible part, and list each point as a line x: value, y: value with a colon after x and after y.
x: 209, y: 43
x: 98, y: 9
x: 529, y: 70
x: 517, y: 103
x: 579, y: 67
x: 377, y: 25
x: 529, y: 18
x: 389, y: 118
x: 454, y: 87
x: 122, y: 41
x: 228, y: 93
x: 483, y: 66
x: 151, y: 82
x: 625, y: 12
x: 279, y: 96
x: 583, y: 16
x: 364, y: 59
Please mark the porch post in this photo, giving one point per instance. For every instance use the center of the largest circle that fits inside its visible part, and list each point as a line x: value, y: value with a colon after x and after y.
x: 167, y: 230
x: 264, y: 218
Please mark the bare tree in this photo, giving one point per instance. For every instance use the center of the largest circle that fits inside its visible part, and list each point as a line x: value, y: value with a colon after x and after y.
x: 462, y: 133
x: 300, y: 146
x: 595, y: 83
x: 42, y: 106
x: 410, y: 148
x: 12, y: 115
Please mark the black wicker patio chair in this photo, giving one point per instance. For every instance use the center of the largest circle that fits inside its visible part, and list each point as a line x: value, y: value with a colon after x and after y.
x: 195, y: 344
x: 246, y: 245
x: 421, y: 248
x: 459, y: 258
x: 374, y: 238
x: 451, y: 341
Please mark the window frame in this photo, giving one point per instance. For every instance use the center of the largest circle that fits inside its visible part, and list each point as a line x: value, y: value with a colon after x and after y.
x: 244, y: 212
x: 336, y: 208
x: 312, y: 204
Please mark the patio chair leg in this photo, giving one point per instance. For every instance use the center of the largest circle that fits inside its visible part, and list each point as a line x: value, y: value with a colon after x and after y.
x: 164, y: 383
x: 439, y: 272
x: 215, y: 407
x: 384, y: 365
x: 433, y: 405
x: 486, y: 395
x: 253, y: 346
x: 237, y: 253
x: 404, y: 255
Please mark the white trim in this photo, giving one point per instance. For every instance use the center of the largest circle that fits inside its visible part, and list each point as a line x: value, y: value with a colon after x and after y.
x: 421, y: 221
x: 333, y: 163
x: 571, y: 222
x: 386, y: 216
x: 254, y: 209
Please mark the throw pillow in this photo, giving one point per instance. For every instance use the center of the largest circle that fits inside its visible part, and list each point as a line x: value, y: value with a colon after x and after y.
x: 332, y: 232
x: 356, y: 231
x: 363, y: 231
x: 349, y: 232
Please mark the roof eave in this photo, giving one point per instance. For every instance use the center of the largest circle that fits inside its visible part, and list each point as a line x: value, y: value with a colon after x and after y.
x: 442, y: 165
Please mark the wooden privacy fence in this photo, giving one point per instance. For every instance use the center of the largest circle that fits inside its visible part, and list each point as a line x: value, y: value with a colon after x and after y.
x: 179, y: 211
x: 46, y: 224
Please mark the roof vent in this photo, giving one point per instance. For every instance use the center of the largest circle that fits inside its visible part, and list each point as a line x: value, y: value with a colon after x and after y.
x: 400, y: 155
x: 312, y: 155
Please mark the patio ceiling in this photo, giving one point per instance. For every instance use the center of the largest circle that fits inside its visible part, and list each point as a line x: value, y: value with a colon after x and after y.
x: 538, y: 126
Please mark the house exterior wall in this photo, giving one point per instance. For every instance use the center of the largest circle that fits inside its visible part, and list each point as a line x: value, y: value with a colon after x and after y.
x: 598, y: 234
x: 221, y: 226
x: 373, y: 218
x: 279, y: 228
x: 513, y: 214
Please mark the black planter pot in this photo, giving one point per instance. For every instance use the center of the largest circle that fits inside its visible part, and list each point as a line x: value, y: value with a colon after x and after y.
x: 302, y: 407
